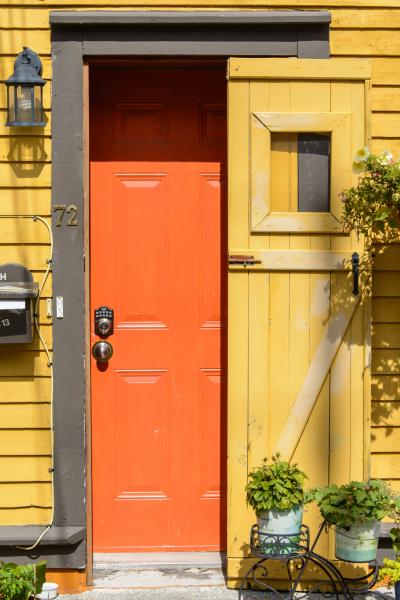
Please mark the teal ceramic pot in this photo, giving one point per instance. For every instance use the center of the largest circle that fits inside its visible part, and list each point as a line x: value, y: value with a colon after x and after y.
x: 359, y: 543
x: 287, y: 522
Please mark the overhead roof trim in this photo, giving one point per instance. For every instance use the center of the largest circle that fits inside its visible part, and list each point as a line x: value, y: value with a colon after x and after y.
x: 162, y: 17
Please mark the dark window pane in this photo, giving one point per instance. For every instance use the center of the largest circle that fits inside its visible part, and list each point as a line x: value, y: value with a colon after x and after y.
x: 313, y: 172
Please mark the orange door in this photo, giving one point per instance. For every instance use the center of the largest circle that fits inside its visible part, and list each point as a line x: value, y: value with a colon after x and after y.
x: 158, y: 144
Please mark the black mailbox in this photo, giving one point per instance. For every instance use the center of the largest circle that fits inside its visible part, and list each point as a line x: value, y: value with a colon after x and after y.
x: 17, y: 291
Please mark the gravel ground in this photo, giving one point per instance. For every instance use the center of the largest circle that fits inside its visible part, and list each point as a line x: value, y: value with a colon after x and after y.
x: 199, y: 593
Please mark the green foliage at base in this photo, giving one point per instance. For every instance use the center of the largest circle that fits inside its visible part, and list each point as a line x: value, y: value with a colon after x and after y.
x: 18, y: 582
x: 390, y: 571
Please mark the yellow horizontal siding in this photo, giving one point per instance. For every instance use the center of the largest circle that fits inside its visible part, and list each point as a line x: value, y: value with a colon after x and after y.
x: 24, y: 516
x: 358, y: 42
x: 385, y: 414
x: 25, y: 494
x: 12, y: 40
x: 18, y: 416
x: 386, y: 124
x: 386, y: 310
x: 386, y: 361
x: 24, y: 469
x: 382, y: 18
x: 387, y: 259
x: 23, y: 231
x: 24, y: 442
x: 385, y: 466
x: 33, y: 257
x: 385, y: 439
x: 34, y: 201
x: 386, y: 283
x: 21, y: 390
x: 14, y: 17
x: 17, y: 174
x: 386, y: 99
x: 385, y: 71
x: 15, y: 362
x: 25, y: 148
x: 386, y: 335
x: 381, y: 145
x: 385, y: 388
x: 385, y: 417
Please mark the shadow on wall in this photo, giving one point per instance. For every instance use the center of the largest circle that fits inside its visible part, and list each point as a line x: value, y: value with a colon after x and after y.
x: 27, y: 155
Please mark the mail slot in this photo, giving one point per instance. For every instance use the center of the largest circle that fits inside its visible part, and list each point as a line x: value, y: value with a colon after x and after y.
x: 17, y: 293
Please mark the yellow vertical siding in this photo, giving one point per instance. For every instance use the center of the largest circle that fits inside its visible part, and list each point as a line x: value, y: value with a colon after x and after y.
x: 368, y: 28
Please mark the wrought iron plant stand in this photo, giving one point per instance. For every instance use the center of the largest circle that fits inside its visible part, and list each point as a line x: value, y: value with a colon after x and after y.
x: 295, y: 550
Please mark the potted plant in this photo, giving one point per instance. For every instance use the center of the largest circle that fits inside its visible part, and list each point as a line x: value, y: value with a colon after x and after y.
x: 372, y: 206
x: 19, y: 582
x: 355, y: 509
x: 389, y: 574
x: 276, y: 493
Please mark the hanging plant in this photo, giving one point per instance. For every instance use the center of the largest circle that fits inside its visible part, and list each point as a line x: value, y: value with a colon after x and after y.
x: 372, y: 206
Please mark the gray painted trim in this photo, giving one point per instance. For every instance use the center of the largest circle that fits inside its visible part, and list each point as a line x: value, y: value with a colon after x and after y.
x: 313, y: 42
x: 68, y: 281
x: 28, y: 534
x: 62, y: 547
x: 75, y: 35
x: 162, y: 17
x: 194, y: 41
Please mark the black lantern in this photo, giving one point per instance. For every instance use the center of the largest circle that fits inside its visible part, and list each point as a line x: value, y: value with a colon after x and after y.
x: 25, y: 91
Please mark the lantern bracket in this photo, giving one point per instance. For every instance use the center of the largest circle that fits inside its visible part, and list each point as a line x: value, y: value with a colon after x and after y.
x: 28, y: 68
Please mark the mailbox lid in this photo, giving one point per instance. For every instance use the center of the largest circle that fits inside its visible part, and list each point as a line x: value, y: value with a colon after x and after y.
x: 18, y: 289
x: 16, y: 281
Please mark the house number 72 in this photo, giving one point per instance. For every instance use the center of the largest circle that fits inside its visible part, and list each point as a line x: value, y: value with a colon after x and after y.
x: 71, y: 210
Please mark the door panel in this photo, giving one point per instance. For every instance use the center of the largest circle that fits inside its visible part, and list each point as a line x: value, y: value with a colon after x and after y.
x: 157, y: 219
x: 282, y: 311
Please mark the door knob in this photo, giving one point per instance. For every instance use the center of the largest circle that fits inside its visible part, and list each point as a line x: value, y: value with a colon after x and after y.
x: 102, y: 351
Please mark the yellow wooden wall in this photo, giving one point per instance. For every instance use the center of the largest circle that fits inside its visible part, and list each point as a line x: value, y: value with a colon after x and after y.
x: 385, y: 443
x: 368, y: 28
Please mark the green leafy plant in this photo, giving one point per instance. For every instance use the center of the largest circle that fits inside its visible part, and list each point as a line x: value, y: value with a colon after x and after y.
x: 390, y: 571
x: 18, y: 582
x: 394, y: 535
x: 354, y: 503
x: 373, y: 205
x: 277, y: 485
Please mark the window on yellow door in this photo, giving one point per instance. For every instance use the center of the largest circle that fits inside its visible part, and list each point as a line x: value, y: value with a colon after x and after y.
x: 300, y: 172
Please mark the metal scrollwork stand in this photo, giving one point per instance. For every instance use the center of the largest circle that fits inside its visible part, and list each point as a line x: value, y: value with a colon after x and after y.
x: 296, y: 552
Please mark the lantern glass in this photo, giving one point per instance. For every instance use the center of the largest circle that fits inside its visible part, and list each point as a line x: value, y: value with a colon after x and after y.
x: 24, y: 105
x: 10, y: 104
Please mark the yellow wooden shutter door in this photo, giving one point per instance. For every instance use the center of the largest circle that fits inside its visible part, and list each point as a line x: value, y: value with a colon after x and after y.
x: 298, y: 340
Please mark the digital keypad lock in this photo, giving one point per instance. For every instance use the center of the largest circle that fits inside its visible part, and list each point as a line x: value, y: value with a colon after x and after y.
x: 104, y: 321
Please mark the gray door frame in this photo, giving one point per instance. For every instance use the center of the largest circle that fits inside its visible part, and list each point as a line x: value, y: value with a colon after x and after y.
x: 77, y: 37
